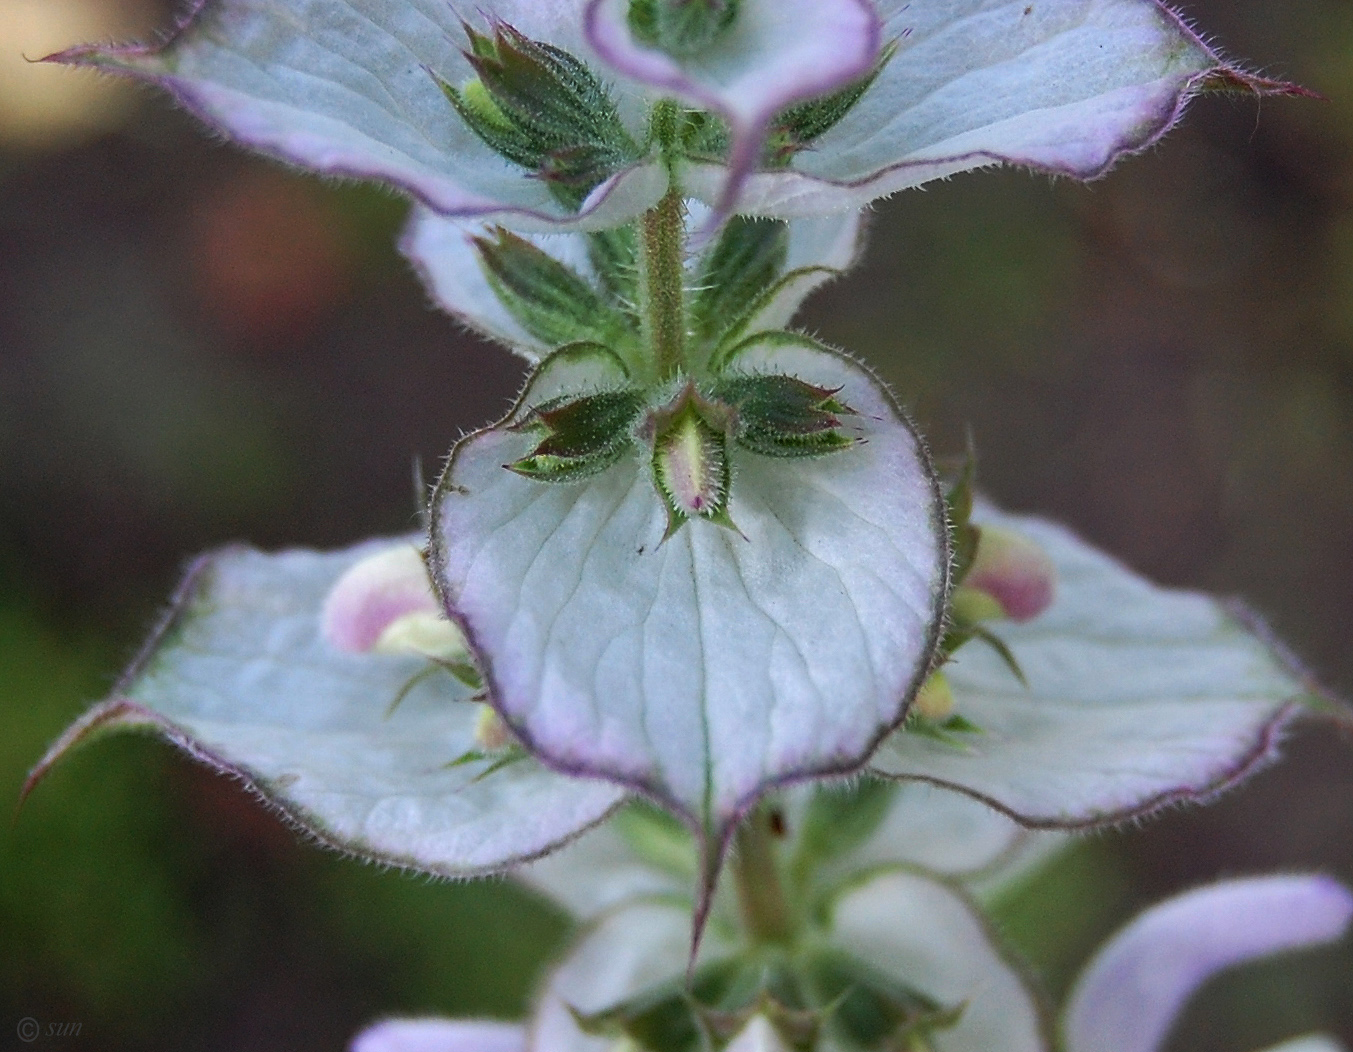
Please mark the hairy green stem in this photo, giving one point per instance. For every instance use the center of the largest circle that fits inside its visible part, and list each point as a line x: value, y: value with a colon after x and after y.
x: 756, y: 872
x: 662, y: 283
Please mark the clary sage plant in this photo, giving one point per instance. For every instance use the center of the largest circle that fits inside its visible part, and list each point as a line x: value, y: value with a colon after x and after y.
x: 696, y: 639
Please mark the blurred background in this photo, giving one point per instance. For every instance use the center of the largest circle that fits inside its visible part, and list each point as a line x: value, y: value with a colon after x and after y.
x: 197, y: 347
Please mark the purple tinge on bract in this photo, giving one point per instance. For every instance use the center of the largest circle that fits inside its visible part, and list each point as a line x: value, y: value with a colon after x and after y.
x: 347, y: 88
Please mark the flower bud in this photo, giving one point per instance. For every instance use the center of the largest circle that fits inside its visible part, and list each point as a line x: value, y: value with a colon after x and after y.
x: 1014, y: 571
x: 935, y: 700
x: 972, y: 606
x: 428, y: 635
x: 372, y: 595
x: 690, y: 460
x: 491, y: 734
x: 541, y: 108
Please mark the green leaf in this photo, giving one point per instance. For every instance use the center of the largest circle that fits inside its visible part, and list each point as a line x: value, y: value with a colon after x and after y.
x: 841, y: 818
x: 547, y: 298
x: 746, y: 260
x: 799, y: 125
x: 614, y: 255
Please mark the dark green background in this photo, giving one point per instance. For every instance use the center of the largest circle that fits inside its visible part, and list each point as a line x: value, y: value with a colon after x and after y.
x: 197, y: 347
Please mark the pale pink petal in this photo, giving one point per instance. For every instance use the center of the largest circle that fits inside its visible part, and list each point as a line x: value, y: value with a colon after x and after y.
x: 373, y: 594
x: 1129, y: 996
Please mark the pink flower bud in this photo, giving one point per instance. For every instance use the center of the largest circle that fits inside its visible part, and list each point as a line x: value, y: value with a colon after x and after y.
x: 1014, y: 571
x: 690, y: 458
x: 373, y: 594
x: 690, y: 465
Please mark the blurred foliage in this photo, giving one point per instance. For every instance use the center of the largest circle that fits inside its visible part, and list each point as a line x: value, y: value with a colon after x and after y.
x: 1059, y: 914
x: 110, y: 930
x: 161, y: 908
x: 197, y: 346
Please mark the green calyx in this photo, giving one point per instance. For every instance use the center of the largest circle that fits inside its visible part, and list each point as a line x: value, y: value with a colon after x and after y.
x: 581, y: 437
x: 639, y: 296
x: 682, y: 28
x: 782, y: 963
x: 543, y: 109
x: 688, y: 437
x: 742, y: 264
x: 969, y: 609
x: 781, y: 416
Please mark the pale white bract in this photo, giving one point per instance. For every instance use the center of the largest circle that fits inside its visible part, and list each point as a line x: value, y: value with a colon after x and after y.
x: 241, y: 677
x: 345, y: 87
x: 1138, y: 696
x: 1062, y: 86
x: 713, y: 665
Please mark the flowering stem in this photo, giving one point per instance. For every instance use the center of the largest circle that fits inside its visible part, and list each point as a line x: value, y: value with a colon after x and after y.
x: 761, y: 894
x: 662, y: 276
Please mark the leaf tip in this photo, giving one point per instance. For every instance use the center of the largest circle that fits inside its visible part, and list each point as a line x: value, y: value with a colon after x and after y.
x: 113, y: 714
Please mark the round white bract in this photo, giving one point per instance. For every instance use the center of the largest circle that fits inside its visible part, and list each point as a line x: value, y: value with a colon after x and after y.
x: 718, y: 663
